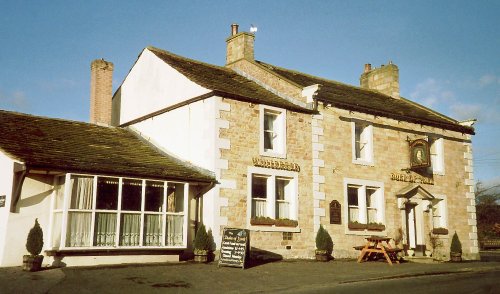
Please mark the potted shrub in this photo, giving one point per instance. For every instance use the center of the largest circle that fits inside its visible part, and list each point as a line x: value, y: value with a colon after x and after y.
x: 440, y: 231
x: 285, y: 222
x: 262, y: 221
x: 34, y: 245
x: 375, y: 227
x: 455, y: 249
x: 356, y: 226
x: 202, y: 244
x: 324, y: 245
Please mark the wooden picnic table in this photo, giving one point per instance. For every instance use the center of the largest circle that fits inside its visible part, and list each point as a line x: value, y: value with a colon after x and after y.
x: 376, y: 245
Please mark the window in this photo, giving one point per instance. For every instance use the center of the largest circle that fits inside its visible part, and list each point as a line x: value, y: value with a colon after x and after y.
x: 365, y: 201
x: 273, y: 131
x: 362, y: 142
x: 273, y: 193
x: 437, y: 155
x: 117, y: 212
x: 439, y: 213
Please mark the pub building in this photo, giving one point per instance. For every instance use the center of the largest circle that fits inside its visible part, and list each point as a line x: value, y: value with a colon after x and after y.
x: 290, y: 152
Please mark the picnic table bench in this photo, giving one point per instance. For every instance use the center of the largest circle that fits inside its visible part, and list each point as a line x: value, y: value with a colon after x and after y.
x: 378, y: 246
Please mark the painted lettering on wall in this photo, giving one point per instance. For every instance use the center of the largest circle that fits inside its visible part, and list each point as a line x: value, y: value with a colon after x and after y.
x: 411, y: 179
x: 275, y: 164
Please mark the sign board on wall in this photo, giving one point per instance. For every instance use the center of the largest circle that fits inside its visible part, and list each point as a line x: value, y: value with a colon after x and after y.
x: 235, y: 247
x: 335, y: 213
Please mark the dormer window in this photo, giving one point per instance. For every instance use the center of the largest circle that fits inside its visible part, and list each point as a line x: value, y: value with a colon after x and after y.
x: 273, y: 131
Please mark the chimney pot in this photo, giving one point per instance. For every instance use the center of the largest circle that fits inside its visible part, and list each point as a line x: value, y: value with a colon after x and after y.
x: 234, y: 29
x: 368, y: 67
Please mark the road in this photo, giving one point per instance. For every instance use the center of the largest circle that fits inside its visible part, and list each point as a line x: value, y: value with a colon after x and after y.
x: 456, y: 283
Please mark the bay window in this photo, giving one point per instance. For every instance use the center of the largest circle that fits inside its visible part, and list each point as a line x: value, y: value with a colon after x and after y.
x: 94, y: 211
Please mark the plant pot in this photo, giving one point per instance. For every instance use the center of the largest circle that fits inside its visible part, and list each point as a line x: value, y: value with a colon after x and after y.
x: 32, y: 263
x: 286, y: 223
x: 410, y: 252
x: 428, y: 253
x: 455, y: 256
x: 322, y: 257
x: 201, y: 258
x: 440, y: 231
x: 375, y: 227
x: 356, y: 226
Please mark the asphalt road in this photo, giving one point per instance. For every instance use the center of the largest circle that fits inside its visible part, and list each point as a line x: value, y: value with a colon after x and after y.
x: 456, y: 283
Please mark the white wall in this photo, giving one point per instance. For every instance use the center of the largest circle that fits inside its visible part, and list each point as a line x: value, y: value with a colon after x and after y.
x: 6, y: 178
x: 190, y: 133
x: 34, y: 203
x: 152, y: 85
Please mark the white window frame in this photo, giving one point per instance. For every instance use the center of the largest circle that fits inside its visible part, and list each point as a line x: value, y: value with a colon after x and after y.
x: 436, y: 148
x: 65, y: 212
x: 362, y: 186
x: 441, y: 204
x: 366, y: 154
x: 280, y: 124
x: 271, y: 175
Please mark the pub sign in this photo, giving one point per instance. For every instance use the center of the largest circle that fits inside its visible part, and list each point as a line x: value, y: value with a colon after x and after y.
x: 419, y: 154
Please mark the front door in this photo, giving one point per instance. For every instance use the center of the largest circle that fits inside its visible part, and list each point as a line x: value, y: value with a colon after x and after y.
x: 411, y: 225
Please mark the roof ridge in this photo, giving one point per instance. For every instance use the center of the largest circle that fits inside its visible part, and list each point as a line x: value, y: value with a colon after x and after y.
x: 56, y: 119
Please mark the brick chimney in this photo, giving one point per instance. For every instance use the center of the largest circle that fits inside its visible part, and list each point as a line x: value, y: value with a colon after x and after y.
x: 101, y: 86
x: 239, y: 45
x: 384, y: 79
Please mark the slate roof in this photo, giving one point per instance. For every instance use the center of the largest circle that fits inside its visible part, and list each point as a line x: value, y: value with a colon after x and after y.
x: 225, y: 82
x: 63, y: 145
x: 369, y: 101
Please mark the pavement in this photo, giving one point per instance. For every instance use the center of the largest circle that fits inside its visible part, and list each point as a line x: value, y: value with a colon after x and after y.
x: 190, y: 277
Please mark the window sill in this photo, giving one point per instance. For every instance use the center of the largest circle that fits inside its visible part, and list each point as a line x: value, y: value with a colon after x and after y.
x: 273, y: 229
x: 114, y: 251
x: 363, y: 162
x: 366, y: 233
x: 438, y: 173
x: 273, y: 154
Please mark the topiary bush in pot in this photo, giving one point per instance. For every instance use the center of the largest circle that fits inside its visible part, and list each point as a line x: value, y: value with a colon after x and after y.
x: 202, y: 244
x: 34, y: 245
x: 324, y: 245
x: 455, y: 249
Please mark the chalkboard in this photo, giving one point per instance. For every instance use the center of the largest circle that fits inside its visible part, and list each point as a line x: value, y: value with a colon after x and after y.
x: 335, y: 213
x: 234, y: 247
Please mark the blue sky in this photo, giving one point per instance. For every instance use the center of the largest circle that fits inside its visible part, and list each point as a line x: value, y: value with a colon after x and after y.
x: 447, y: 51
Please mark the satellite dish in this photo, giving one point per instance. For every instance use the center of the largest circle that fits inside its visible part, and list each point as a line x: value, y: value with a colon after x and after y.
x: 253, y: 29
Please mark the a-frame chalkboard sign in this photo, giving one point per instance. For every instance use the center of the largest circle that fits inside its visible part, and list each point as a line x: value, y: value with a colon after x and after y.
x: 235, y: 247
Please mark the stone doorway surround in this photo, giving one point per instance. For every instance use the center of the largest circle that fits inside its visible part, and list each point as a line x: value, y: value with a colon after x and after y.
x: 413, y: 201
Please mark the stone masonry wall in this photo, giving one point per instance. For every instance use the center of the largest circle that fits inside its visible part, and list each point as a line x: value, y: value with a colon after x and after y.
x: 243, y: 133
x: 391, y: 155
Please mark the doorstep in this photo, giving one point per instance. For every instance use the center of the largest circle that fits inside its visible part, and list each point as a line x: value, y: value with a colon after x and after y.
x: 420, y: 259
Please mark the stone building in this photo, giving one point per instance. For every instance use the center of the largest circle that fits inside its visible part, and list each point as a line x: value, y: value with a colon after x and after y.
x: 292, y: 151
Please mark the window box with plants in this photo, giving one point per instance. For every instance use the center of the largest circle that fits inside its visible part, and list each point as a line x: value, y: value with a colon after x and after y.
x: 356, y: 226
x: 262, y: 221
x: 375, y: 227
x: 324, y: 245
x: 34, y: 245
x: 285, y: 222
x: 440, y: 231
x: 202, y: 245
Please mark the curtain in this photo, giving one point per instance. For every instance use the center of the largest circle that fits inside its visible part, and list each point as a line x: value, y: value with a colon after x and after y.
x: 130, y: 229
x: 78, y: 229
x: 174, y: 230
x: 105, y: 229
x: 81, y: 192
x: 283, y: 209
x: 152, y: 230
x: 259, y: 207
x: 353, y: 214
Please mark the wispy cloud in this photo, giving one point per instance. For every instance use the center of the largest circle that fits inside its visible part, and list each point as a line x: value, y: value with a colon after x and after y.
x: 15, y: 100
x: 489, y: 79
x: 432, y: 92
x: 463, y: 111
x: 56, y: 84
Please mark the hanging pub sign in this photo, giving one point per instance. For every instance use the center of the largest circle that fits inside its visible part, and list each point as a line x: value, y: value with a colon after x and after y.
x: 419, y: 154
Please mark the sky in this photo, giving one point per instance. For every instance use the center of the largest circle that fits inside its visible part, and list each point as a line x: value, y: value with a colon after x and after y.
x: 447, y: 51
